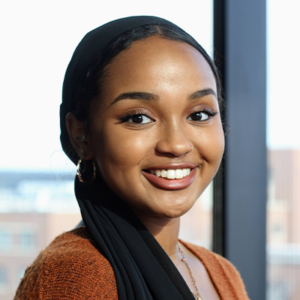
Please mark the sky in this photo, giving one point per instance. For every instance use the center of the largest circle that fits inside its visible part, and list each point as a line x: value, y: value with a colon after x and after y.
x: 39, y: 37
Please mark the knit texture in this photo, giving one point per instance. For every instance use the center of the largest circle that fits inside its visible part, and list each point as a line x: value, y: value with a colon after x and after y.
x: 72, y: 267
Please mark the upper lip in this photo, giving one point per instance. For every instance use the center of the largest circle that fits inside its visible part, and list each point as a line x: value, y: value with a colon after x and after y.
x: 173, y: 166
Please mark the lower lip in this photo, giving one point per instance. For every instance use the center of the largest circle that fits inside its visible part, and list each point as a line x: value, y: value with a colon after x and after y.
x: 171, y: 184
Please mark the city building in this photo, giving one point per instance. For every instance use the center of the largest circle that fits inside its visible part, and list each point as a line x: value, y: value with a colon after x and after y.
x: 283, y: 224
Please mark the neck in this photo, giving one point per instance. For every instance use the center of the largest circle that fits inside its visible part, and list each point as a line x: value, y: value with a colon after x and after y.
x: 165, y: 231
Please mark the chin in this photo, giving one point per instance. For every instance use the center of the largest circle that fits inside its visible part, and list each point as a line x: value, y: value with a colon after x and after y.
x: 175, y: 214
x: 175, y: 210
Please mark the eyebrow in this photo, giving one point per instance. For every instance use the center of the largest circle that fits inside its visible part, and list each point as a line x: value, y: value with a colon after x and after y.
x: 136, y: 96
x: 202, y: 93
x: 152, y: 97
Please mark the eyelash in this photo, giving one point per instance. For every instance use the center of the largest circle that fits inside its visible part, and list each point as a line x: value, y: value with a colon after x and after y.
x: 211, y: 113
x: 207, y: 111
x: 132, y: 114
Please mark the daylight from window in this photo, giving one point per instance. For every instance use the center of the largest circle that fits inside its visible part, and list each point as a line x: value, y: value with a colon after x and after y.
x: 283, y: 223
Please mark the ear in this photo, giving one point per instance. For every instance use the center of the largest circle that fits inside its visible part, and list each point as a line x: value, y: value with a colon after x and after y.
x: 78, y: 136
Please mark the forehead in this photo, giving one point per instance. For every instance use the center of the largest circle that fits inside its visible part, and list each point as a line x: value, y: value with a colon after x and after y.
x: 155, y: 63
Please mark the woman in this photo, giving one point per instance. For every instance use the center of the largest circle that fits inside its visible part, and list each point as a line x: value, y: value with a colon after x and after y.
x: 140, y: 116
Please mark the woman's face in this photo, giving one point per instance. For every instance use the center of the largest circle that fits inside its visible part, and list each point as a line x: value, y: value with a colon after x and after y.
x: 157, y: 115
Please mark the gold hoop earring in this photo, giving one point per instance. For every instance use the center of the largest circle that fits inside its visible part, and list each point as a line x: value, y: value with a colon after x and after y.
x: 80, y: 170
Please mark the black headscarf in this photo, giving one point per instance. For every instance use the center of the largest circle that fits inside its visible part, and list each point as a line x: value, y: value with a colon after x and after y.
x: 142, y: 269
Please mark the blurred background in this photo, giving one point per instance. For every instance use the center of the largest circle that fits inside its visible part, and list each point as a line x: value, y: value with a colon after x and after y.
x: 37, y: 201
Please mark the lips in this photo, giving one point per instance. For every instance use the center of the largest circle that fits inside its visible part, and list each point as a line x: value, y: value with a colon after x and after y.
x: 171, y: 177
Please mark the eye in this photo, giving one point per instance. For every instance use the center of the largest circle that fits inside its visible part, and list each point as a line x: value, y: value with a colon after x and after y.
x: 138, y: 119
x: 198, y: 116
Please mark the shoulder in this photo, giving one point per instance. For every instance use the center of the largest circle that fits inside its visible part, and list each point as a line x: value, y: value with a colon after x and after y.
x: 71, y: 267
x: 222, y: 272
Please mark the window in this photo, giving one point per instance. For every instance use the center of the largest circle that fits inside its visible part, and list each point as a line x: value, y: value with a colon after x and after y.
x: 5, y: 240
x: 3, y: 278
x: 283, y: 142
x: 27, y: 241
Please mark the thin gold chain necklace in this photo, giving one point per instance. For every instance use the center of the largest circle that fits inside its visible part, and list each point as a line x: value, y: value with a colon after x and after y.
x: 197, y: 294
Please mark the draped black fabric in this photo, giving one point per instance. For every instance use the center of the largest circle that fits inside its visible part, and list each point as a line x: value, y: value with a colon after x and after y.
x: 143, y: 270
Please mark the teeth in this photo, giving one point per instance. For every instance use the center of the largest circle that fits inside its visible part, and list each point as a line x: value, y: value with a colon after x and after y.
x: 163, y: 173
x: 178, y: 173
x: 171, y: 174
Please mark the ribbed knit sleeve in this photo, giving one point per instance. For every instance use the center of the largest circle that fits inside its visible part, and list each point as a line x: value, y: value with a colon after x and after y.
x: 71, y: 267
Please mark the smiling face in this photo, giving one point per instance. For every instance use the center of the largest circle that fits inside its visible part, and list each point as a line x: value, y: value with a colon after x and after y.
x: 156, y: 118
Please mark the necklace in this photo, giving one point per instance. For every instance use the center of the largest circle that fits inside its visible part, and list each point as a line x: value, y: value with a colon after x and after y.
x: 197, y: 294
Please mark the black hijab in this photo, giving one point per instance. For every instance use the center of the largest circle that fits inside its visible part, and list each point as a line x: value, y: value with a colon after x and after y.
x: 142, y: 269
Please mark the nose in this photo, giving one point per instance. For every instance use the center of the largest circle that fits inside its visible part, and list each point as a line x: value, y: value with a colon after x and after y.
x: 173, y: 142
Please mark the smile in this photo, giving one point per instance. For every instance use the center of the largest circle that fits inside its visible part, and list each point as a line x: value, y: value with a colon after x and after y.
x: 171, y: 179
x: 171, y: 174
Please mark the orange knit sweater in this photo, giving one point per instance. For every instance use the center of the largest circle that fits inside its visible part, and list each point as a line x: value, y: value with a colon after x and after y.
x: 71, y: 267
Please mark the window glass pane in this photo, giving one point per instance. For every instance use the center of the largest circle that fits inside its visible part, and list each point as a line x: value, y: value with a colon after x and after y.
x: 26, y: 240
x: 283, y: 227
x: 37, y: 199
x: 5, y: 240
x: 3, y: 276
x: 3, y: 281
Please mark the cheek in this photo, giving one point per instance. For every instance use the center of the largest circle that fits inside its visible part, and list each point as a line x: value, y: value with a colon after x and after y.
x: 119, y: 150
x: 211, y: 146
